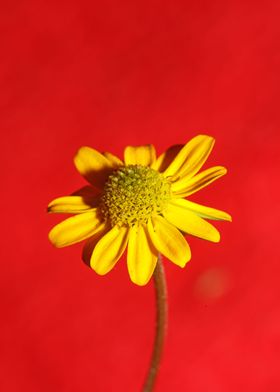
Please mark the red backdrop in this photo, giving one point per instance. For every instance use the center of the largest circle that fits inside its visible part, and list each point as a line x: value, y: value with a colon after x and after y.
x: 107, y: 74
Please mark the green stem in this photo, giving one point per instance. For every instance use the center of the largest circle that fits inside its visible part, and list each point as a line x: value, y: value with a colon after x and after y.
x: 161, y: 325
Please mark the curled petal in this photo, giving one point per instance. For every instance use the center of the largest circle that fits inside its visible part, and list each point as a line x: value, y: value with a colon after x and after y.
x: 141, y: 155
x: 72, y: 205
x: 202, y: 211
x: 188, y: 186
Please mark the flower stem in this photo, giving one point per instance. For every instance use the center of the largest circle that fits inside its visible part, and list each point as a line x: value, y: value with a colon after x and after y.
x: 161, y: 325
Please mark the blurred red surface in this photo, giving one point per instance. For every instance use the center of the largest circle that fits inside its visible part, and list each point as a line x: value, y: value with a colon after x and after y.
x: 107, y: 74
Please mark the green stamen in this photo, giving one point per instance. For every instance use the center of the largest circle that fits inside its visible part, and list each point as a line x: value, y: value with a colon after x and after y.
x: 134, y: 194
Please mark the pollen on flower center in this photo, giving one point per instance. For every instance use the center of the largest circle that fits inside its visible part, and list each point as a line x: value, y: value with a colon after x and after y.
x: 133, y: 194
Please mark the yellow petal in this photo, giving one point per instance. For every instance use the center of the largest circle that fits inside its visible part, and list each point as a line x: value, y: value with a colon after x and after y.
x: 190, y: 223
x: 92, y: 165
x: 72, y: 204
x: 188, y: 186
x: 115, y: 161
x: 191, y: 157
x: 166, y: 158
x: 92, y: 241
x: 75, y: 229
x: 169, y: 241
x: 141, y: 256
x: 109, y: 250
x: 141, y: 155
x: 202, y: 211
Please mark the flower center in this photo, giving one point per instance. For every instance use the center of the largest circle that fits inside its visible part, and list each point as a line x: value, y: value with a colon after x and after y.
x: 133, y: 194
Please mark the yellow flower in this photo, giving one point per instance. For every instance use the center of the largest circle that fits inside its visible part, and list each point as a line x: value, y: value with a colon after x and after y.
x: 139, y: 204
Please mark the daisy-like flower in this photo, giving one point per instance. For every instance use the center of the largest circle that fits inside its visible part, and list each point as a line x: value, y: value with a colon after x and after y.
x: 140, y: 204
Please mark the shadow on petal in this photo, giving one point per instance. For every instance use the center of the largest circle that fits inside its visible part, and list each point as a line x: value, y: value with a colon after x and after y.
x: 91, y: 243
x: 91, y: 196
x: 166, y: 158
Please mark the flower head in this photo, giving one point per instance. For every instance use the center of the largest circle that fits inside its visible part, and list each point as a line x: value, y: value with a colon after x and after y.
x: 139, y: 204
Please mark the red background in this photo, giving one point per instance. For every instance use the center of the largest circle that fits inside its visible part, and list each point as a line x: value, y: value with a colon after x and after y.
x: 107, y: 74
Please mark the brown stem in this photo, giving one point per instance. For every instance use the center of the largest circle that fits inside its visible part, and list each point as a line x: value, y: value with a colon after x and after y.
x: 161, y: 325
